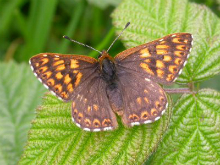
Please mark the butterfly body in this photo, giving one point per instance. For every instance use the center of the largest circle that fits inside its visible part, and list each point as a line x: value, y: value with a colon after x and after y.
x: 108, y: 69
x: 126, y: 85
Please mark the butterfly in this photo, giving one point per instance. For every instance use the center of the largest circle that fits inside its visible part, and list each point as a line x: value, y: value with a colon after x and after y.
x: 126, y: 85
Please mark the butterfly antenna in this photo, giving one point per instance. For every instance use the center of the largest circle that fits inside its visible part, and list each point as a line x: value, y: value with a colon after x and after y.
x: 118, y: 35
x: 66, y: 37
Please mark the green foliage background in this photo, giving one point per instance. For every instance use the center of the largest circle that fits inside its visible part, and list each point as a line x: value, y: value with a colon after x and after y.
x: 189, y: 133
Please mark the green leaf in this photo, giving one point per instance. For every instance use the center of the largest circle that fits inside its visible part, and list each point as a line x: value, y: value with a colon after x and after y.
x: 55, y: 139
x: 193, y: 135
x: 153, y: 19
x: 104, y: 4
x: 20, y: 93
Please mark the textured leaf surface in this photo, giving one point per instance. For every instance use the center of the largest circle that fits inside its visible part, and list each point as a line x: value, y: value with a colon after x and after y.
x: 194, y: 133
x: 152, y: 19
x: 54, y: 139
x: 20, y: 93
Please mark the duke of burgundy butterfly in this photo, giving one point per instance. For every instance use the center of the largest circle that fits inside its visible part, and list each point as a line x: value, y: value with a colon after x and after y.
x: 126, y: 85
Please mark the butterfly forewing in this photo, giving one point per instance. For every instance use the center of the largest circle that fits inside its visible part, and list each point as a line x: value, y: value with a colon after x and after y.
x: 62, y: 74
x: 144, y: 100
x: 161, y: 60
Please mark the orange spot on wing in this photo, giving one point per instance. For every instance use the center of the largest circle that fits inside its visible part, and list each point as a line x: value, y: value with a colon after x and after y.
x: 60, y: 67
x: 145, y: 53
x: 106, y: 122
x: 96, y: 123
x: 158, y: 105
x: 87, y: 122
x: 161, y: 52
x: 146, y: 68
x: 179, y: 53
x: 43, y: 69
x: 147, y: 60
x: 67, y: 79
x: 160, y: 73
x: 145, y: 91
x: 59, y: 75
x: 144, y: 115
x: 44, y: 61
x: 74, y: 64
x: 73, y: 104
x: 58, y: 62
x: 178, y: 40
x: 51, y: 82
x: 78, y: 78
x: 160, y: 64
x: 58, y: 88
x: 70, y: 88
x: 133, y: 117
x: 161, y: 91
x: 89, y: 109
x: 154, y: 112
x: 95, y: 107
x: 167, y: 58
x: 173, y: 68
x: 181, y: 47
x: 162, y: 99
x: 47, y: 74
x: 178, y: 61
x: 162, y: 46
x: 138, y: 100
x: 146, y: 100
x: 170, y: 77
x: 64, y: 95
x: 85, y: 101
x: 80, y: 116
x: 75, y: 111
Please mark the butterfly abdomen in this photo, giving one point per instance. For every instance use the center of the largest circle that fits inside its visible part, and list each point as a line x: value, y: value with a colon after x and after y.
x: 115, y: 98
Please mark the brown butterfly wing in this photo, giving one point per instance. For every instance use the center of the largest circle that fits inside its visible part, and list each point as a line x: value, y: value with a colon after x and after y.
x: 77, y: 78
x: 161, y: 60
x: 90, y: 108
x: 62, y: 74
x: 144, y: 100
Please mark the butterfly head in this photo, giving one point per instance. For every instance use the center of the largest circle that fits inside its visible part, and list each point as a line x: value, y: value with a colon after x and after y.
x: 104, y: 55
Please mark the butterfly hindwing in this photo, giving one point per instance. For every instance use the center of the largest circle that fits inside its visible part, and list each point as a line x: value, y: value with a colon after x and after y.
x: 90, y: 107
x: 144, y: 100
x: 161, y: 60
x: 62, y: 74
